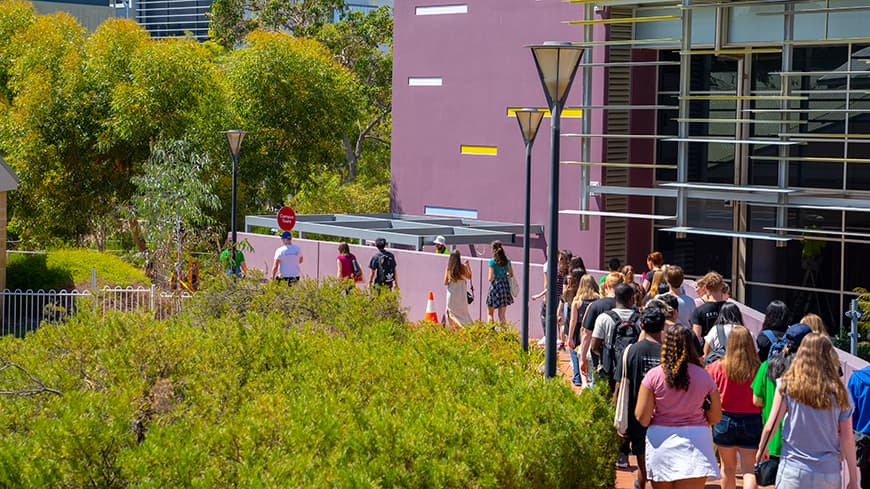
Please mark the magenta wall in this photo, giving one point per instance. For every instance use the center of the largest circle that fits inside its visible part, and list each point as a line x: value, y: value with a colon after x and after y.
x: 485, y: 69
x: 421, y: 272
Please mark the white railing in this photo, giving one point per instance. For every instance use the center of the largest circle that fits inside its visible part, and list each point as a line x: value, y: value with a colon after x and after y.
x: 25, y: 310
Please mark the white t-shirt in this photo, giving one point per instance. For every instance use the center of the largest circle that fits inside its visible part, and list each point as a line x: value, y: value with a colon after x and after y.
x: 712, y: 337
x: 288, y: 260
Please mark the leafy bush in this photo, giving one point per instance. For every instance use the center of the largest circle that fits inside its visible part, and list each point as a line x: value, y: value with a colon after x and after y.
x: 66, y: 269
x: 304, y: 386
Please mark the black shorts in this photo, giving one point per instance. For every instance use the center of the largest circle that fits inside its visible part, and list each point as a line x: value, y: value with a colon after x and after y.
x: 289, y: 280
x: 636, y: 436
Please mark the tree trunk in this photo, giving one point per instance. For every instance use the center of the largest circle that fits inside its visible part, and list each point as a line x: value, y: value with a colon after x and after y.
x: 352, y: 158
x: 137, y: 235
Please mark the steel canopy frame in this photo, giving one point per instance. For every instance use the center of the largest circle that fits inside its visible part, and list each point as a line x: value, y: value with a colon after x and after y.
x: 401, y: 229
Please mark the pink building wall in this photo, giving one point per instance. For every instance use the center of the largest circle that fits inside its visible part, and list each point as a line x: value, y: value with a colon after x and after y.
x: 485, y: 68
x: 421, y: 272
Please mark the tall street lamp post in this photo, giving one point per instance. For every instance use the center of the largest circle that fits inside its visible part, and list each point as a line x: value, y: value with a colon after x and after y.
x: 234, y: 138
x: 529, y: 121
x: 557, y: 64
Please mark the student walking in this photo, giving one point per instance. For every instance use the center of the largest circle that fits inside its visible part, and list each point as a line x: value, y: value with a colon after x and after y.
x: 714, y: 298
x: 673, y: 276
x: 347, y: 266
x: 739, y: 430
x: 288, y: 258
x: 500, y: 271
x: 587, y: 292
x: 776, y: 318
x: 455, y: 276
x: 764, y: 384
x: 678, y: 401
x: 729, y: 317
x: 816, y: 414
x: 383, y: 267
x: 642, y: 357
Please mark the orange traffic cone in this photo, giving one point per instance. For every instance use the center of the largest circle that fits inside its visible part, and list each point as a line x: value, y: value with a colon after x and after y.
x: 431, y: 315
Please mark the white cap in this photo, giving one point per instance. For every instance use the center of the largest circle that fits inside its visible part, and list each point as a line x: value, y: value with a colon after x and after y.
x: 440, y: 240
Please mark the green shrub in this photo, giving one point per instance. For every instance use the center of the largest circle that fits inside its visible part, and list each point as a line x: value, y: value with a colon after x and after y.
x: 303, y: 386
x: 69, y: 268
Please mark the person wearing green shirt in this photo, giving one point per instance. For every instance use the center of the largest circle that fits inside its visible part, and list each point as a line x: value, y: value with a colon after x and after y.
x: 612, y: 265
x: 239, y: 269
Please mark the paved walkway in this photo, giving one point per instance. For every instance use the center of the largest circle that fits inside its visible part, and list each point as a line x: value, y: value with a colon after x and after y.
x: 624, y: 478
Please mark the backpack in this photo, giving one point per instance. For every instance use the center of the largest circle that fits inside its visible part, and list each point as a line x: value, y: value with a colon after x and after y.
x: 357, y: 271
x: 776, y: 344
x: 718, y: 352
x: 624, y: 333
x: 386, y: 268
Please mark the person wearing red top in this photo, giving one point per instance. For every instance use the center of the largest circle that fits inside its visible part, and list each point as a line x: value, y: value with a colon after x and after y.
x: 739, y: 430
x: 344, y: 263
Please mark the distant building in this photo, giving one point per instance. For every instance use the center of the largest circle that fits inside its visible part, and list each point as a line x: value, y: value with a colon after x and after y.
x: 173, y: 18
x: 90, y: 13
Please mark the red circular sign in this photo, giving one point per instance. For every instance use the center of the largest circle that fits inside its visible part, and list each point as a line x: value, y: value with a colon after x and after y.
x: 286, y: 218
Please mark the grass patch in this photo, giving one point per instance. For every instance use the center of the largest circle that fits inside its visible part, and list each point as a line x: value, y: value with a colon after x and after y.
x: 70, y: 268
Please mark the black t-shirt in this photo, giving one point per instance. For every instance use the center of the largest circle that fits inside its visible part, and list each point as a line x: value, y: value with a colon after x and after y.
x: 706, y: 315
x: 642, y: 357
x: 764, y: 343
x: 597, y: 307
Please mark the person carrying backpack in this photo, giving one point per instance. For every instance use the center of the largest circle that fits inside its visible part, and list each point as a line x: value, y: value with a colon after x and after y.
x: 716, y: 339
x: 615, y: 330
x: 383, y: 267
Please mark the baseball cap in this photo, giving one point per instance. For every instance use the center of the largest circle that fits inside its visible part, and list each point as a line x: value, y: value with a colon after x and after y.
x: 795, y: 334
x: 286, y: 235
x: 440, y: 240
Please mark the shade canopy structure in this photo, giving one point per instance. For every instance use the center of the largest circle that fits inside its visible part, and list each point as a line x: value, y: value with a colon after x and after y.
x: 8, y: 178
x: 400, y: 229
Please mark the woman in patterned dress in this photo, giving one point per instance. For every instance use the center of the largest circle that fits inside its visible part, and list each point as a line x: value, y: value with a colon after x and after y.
x: 499, y: 296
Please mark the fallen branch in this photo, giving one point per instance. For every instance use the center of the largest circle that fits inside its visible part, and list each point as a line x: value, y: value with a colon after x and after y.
x: 37, y: 386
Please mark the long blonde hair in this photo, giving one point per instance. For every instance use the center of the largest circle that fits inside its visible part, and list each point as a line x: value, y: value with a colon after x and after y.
x: 815, y: 323
x: 741, y: 360
x: 813, y: 377
x: 587, y: 290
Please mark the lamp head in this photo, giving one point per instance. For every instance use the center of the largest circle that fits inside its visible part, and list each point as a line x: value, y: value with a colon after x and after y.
x: 234, y: 137
x: 529, y: 121
x: 557, y: 64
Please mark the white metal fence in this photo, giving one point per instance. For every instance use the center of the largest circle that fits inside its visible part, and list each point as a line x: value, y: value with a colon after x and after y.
x: 25, y: 310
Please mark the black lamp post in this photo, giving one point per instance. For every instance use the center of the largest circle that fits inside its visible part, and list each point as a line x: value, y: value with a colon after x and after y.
x: 529, y: 121
x: 557, y: 64
x: 234, y: 138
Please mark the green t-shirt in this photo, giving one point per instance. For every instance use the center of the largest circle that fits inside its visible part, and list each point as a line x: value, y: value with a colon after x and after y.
x: 765, y: 388
x: 227, y: 258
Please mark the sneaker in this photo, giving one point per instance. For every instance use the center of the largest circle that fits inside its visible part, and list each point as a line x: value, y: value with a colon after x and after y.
x: 560, y: 345
x: 622, y: 461
x: 542, y: 341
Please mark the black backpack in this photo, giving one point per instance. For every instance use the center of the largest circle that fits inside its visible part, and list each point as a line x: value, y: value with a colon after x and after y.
x: 624, y: 333
x: 386, y: 268
x: 719, y: 352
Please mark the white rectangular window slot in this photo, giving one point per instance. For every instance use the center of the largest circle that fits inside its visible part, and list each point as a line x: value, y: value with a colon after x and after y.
x: 449, y: 212
x: 424, y: 81
x: 442, y: 10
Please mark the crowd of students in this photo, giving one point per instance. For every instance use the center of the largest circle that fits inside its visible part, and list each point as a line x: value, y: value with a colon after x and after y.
x: 705, y: 398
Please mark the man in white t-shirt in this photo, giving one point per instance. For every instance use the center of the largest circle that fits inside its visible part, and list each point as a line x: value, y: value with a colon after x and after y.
x: 287, y: 260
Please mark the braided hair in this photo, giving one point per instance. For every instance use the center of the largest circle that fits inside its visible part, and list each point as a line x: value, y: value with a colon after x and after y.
x: 678, y: 351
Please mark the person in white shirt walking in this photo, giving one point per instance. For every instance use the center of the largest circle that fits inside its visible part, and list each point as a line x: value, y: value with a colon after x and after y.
x: 287, y: 260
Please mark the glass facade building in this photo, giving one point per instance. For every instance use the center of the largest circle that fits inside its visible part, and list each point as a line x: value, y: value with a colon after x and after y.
x: 763, y: 108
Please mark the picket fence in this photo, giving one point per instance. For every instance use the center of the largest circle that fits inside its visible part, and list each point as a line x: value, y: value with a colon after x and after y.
x: 25, y: 310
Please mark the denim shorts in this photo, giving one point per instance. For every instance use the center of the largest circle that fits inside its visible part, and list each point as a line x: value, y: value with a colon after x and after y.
x: 738, y: 430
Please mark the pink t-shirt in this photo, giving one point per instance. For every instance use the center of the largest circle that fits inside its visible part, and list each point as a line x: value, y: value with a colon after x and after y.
x: 736, y: 396
x: 676, y: 407
x: 346, y: 265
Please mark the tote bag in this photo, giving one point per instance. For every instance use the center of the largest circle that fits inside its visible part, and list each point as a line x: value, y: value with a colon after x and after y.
x: 620, y: 417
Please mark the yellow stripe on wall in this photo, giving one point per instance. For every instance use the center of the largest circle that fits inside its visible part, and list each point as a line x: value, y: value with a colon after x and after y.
x: 567, y: 113
x: 467, y: 149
